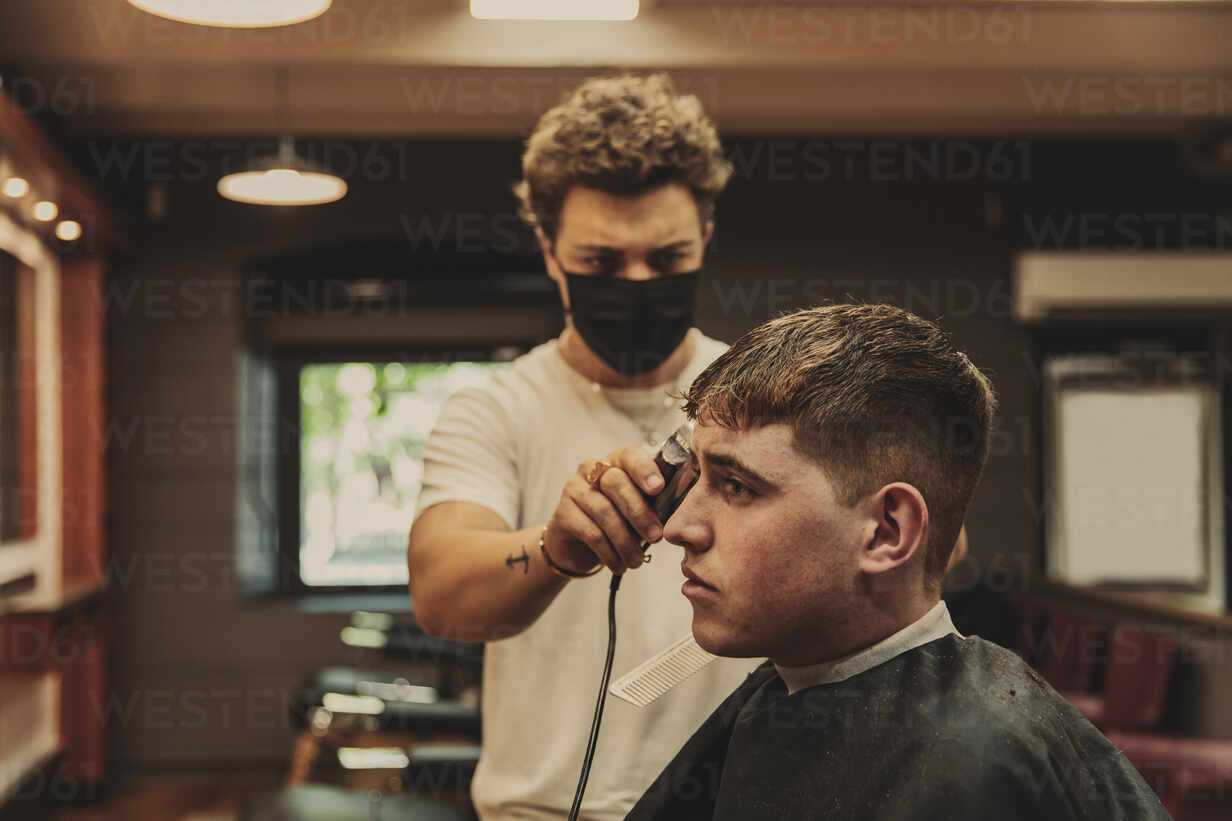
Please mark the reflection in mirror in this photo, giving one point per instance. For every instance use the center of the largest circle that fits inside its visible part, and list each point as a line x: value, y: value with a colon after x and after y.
x: 18, y: 446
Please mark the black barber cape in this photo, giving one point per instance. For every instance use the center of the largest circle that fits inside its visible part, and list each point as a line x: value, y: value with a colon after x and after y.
x: 954, y: 729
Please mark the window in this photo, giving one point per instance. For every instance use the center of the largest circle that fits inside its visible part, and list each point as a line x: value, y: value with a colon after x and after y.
x: 352, y: 433
x: 1130, y: 470
x: 363, y: 425
x: 1135, y: 463
x: 349, y: 351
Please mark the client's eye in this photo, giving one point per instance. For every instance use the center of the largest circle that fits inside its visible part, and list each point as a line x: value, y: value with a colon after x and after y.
x: 735, y: 489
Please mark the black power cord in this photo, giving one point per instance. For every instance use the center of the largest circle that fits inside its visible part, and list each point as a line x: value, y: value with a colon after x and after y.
x: 671, y: 458
x: 607, y: 675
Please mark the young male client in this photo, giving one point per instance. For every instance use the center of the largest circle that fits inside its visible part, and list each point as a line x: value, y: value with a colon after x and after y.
x: 838, y: 449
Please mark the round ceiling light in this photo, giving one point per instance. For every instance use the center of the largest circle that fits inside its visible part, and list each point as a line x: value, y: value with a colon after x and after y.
x: 16, y: 187
x: 45, y: 211
x: 69, y: 230
x: 282, y: 186
x: 236, y: 13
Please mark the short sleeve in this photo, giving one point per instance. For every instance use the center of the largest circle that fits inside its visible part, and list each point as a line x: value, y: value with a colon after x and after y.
x: 470, y: 456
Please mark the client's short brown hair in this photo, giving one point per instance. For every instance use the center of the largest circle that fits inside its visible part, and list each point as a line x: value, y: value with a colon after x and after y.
x: 622, y: 135
x: 874, y: 394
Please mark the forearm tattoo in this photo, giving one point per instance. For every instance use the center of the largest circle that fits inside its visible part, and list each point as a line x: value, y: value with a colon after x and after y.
x: 523, y: 560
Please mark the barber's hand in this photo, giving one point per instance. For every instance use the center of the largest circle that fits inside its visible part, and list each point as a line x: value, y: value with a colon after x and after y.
x: 606, y: 523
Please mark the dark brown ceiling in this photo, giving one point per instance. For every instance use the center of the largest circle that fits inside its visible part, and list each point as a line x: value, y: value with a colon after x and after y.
x: 397, y: 67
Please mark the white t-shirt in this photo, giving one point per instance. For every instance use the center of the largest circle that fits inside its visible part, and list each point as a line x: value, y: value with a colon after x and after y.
x: 511, y: 446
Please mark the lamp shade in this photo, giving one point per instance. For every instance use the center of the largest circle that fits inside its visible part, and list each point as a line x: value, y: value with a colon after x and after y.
x: 285, y: 179
x: 282, y: 186
x: 236, y: 13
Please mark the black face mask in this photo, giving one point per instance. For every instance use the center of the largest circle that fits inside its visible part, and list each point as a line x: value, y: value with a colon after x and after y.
x: 633, y: 325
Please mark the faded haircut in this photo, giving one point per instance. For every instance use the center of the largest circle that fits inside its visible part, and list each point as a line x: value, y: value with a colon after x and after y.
x: 874, y: 394
x: 622, y: 135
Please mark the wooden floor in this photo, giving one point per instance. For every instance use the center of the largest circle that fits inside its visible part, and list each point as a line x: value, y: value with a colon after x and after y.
x: 177, y: 797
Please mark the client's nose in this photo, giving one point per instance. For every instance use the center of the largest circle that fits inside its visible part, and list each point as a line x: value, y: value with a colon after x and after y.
x: 686, y: 529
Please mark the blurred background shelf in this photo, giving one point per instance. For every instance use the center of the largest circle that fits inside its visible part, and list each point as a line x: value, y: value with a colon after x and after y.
x: 29, y: 707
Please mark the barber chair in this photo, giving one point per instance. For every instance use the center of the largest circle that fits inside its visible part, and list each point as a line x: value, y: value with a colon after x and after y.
x: 373, y: 722
x: 456, y: 665
x: 1032, y: 622
x: 1068, y: 650
x: 1191, y: 776
x: 341, y: 706
x: 1139, y: 670
x: 1120, y: 680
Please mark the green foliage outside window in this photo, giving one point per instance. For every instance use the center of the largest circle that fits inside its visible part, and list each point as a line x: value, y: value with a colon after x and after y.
x: 363, y: 429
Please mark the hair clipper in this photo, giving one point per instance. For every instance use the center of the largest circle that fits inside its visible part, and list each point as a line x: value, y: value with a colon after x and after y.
x: 675, y: 462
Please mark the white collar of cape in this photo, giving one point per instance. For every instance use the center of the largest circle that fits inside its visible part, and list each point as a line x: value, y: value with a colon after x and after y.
x: 931, y: 626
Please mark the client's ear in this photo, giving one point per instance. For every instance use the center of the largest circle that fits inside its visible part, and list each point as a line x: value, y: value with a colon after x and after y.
x: 902, y: 525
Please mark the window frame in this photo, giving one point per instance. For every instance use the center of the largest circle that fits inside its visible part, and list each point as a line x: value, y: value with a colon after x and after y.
x: 288, y: 362
x: 1187, y: 334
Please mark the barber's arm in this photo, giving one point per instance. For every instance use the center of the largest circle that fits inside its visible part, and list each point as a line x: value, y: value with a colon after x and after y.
x: 474, y: 579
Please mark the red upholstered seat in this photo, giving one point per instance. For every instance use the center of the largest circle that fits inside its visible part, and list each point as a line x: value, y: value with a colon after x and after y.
x: 1193, y: 776
x: 1090, y: 705
x: 1140, y: 666
x: 1068, y: 650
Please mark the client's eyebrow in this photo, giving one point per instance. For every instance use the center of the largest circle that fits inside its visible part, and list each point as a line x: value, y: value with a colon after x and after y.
x: 725, y: 460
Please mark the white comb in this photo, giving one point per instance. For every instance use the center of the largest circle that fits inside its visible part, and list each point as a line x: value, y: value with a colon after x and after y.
x: 660, y: 673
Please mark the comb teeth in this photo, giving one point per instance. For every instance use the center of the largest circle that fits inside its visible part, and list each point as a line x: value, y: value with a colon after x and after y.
x: 660, y: 673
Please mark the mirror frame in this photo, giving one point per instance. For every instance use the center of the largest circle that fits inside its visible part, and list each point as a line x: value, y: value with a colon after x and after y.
x: 38, y: 549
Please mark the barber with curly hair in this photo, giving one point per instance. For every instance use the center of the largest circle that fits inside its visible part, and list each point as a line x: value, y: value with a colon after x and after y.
x: 530, y: 485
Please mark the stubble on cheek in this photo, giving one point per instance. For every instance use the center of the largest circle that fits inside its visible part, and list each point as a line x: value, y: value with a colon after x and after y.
x: 799, y: 585
x: 744, y: 620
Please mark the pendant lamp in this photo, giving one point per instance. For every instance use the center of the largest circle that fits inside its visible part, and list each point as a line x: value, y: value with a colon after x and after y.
x: 235, y: 13
x: 286, y: 179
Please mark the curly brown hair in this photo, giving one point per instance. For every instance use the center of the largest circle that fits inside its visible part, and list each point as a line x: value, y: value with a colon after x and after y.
x: 874, y: 394
x: 623, y: 135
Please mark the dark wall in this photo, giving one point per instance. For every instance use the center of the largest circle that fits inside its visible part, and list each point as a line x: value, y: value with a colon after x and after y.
x: 201, y: 676
x: 931, y: 225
